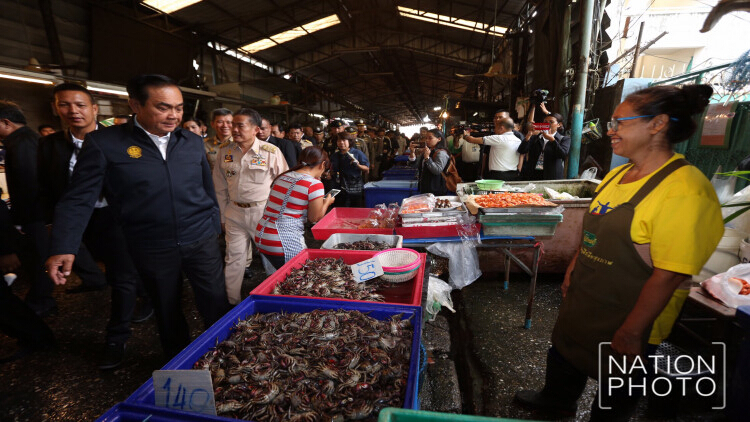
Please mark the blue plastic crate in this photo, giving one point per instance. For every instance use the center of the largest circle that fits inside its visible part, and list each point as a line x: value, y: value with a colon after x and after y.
x: 388, y: 191
x: 144, y: 395
x: 129, y: 412
x: 400, y: 173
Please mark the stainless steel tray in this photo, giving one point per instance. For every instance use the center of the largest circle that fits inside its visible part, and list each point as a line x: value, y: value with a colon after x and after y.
x: 439, y: 212
x: 518, y: 210
x: 394, y: 241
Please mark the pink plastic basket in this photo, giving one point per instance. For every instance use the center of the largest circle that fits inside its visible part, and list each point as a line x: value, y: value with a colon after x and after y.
x: 398, y: 260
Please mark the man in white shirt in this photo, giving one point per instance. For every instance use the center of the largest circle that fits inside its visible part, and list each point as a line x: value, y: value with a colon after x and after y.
x: 504, y: 156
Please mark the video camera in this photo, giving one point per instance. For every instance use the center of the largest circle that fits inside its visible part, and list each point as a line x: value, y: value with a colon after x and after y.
x: 540, y: 96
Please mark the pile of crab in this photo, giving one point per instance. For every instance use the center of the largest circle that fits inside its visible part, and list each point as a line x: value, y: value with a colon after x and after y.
x: 330, y: 278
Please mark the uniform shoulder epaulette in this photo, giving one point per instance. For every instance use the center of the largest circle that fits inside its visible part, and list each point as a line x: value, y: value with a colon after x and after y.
x: 268, y: 147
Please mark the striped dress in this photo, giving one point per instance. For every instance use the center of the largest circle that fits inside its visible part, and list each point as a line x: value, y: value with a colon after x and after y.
x: 306, y: 190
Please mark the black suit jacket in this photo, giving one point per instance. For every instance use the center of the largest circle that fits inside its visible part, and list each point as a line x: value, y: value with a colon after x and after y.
x: 554, y: 156
x: 160, y: 203
x: 21, y: 175
x: 53, y: 159
x: 287, y: 148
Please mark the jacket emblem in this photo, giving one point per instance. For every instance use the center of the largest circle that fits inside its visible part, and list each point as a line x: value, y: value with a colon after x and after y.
x: 135, y: 152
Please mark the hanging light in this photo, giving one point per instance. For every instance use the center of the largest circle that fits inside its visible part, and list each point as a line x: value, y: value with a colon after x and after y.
x: 445, y: 114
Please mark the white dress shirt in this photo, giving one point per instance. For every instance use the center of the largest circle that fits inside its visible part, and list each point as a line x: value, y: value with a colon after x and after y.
x: 74, y: 159
x: 161, y: 142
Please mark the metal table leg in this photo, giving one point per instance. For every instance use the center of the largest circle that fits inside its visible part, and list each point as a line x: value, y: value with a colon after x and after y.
x: 532, y: 286
x: 506, y: 282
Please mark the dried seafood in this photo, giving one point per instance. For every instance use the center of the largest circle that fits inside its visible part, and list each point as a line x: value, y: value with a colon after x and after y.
x: 328, y: 277
x: 325, y: 365
x: 364, y: 245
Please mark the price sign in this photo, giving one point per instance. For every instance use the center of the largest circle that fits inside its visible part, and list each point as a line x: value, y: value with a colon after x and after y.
x: 541, y: 126
x: 188, y: 390
x: 367, y: 270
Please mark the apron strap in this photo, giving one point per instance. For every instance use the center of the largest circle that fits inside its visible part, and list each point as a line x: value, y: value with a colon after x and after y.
x: 282, y: 209
x: 656, y: 179
x: 601, y: 188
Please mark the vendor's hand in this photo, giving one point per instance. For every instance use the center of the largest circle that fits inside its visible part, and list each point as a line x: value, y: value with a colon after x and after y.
x: 626, y: 343
x: 9, y: 263
x: 59, y: 266
x: 426, y: 153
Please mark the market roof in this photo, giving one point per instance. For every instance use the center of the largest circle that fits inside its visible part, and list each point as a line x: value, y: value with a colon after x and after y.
x: 397, y: 61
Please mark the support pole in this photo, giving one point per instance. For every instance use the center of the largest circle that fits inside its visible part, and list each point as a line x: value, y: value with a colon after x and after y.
x: 579, y: 95
x: 564, y: 104
x: 637, y: 51
x: 55, y: 48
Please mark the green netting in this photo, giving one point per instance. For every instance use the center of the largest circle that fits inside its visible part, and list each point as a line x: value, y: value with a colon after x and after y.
x: 708, y: 159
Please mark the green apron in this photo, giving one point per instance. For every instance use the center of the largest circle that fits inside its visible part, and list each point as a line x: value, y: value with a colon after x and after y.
x: 605, y: 283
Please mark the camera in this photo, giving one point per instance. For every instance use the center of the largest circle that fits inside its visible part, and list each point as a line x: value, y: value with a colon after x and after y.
x: 540, y: 96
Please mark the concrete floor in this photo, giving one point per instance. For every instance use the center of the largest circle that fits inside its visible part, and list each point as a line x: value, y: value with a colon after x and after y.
x: 497, y: 358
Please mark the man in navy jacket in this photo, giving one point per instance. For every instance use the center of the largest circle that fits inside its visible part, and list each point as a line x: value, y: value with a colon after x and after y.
x: 157, y: 180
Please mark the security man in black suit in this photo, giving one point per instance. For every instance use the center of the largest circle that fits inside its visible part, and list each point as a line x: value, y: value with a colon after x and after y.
x: 157, y: 179
x: 286, y: 146
x: 57, y: 156
x: 21, y: 143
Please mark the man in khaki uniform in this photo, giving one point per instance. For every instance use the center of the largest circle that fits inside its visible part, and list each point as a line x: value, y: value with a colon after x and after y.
x: 243, y: 174
x: 221, y: 122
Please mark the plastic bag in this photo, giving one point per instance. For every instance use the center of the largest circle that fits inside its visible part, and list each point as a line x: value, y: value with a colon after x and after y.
x: 722, y: 288
x: 741, y: 222
x: 418, y: 203
x: 468, y: 230
x: 589, y: 173
x: 555, y: 195
x: 438, y: 296
x: 528, y: 188
x: 723, y: 185
x: 463, y: 261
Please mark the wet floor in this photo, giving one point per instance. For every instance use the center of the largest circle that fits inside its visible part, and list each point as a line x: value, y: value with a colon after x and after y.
x: 502, y: 357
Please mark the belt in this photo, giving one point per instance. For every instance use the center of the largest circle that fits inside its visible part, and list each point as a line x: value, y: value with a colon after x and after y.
x: 249, y: 204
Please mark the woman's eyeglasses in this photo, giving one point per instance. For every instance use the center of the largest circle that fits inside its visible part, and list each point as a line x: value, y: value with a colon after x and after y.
x: 614, y: 124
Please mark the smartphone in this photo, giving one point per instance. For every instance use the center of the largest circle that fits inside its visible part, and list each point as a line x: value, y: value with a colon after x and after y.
x: 334, y: 192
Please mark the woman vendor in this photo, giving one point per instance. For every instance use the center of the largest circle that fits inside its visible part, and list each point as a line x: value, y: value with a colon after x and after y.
x: 296, y: 195
x: 651, y: 224
x: 432, y: 161
x: 347, y: 166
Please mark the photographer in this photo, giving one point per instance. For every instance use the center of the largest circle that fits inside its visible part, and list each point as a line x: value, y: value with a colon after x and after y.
x: 347, y: 165
x: 431, y: 162
x: 504, y: 148
x: 545, y: 152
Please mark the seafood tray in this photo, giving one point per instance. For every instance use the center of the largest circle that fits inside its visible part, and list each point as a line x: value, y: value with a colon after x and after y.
x: 345, y: 220
x: 144, y: 396
x: 517, y: 227
x: 128, y: 412
x: 407, y: 293
x: 392, y: 414
x: 393, y: 241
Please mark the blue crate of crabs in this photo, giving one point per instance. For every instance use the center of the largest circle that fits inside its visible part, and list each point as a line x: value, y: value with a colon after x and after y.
x: 281, y: 358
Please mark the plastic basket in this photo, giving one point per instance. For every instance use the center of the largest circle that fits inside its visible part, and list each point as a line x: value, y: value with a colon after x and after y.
x: 489, y: 184
x: 400, y: 277
x: 265, y: 304
x: 398, y: 260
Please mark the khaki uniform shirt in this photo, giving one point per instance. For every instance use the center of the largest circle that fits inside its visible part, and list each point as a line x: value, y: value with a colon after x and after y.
x: 304, y: 143
x: 211, y: 145
x: 246, y: 178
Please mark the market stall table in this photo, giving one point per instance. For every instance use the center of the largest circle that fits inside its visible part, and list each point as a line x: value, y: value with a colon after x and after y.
x: 506, y: 244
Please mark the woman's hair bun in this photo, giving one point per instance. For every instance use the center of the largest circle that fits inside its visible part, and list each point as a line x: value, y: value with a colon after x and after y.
x: 697, y: 97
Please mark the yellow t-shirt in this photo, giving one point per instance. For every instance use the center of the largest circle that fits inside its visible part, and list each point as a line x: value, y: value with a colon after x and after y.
x: 680, y: 219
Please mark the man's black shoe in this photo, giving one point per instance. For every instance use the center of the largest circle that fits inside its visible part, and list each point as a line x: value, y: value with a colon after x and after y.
x: 113, y: 356
x: 143, y: 313
x: 535, y: 400
x: 44, y: 313
x: 248, y: 272
x: 83, y: 288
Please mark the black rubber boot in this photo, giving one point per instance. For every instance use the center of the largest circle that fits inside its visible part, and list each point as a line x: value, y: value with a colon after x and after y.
x: 562, y: 388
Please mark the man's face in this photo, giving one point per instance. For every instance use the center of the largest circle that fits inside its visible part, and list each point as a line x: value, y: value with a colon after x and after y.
x: 264, y: 130
x: 318, y: 137
x: 243, y: 130
x: 76, y: 109
x: 162, y: 112
x: 46, y: 131
x: 295, y: 134
x: 381, y: 133
x: 308, y: 131
x: 276, y: 132
x: 193, y: 127
x: 223, y: 126
x: 337, y: 130
x: 6, y: 128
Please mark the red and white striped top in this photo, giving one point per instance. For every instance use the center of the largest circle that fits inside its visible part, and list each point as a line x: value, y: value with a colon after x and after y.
x: 306, y: 190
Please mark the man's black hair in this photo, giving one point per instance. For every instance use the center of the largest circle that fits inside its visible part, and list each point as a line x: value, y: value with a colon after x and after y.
x: 39, y: 129
x: 280, y: 125
x: 10, y: 111
x: 219, y: 112
x: 252, y: 115
x: 69, y: 86
x: 293, y: 126
x: 139, y: 85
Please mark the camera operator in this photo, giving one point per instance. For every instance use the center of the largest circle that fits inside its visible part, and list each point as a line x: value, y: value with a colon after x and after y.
x: 538, y: 100
x: 504, y: 148
x: 546, y: 151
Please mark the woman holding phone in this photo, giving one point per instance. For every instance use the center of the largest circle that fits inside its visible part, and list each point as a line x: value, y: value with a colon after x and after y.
x: 546, y: 151
x: 296, y: 195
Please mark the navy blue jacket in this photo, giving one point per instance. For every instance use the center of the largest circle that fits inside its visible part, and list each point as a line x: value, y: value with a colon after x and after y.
x: 160, y: 203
